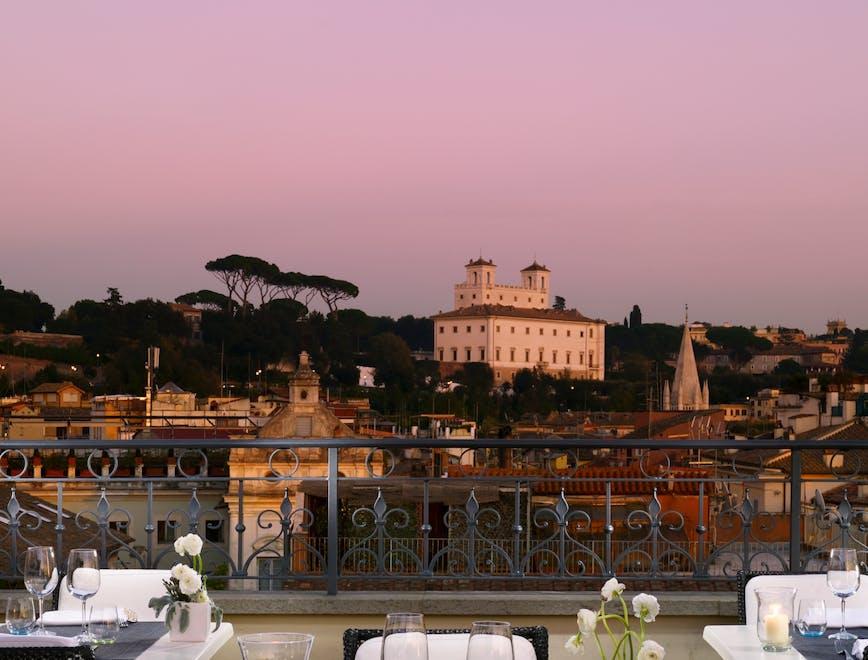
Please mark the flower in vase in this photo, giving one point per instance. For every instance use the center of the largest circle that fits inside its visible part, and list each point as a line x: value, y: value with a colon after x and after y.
x: 190, y: 583
x: 611, y: 589
x: 646, y: 607
x: 190, y: 544
x: 575, y: 645
x: 651, y: 650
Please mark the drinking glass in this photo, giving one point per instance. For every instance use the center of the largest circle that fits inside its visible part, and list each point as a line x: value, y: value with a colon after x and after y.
x: 490, y: 640
x: 105, y: 625
x: 843, y: 577
x: 267, y: 646
x: 82, y: 581
x: 404, y: 637
x: 20, y: 615
x: 811, y: 620
x: 40, y: 578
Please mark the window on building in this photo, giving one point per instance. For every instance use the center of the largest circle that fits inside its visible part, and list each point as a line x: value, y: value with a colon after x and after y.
x: 497, y: 354
x: 581, y: 358
x: 482, y: 328
x: 512, y: 355
x: 541, y: 331
x: 540, y: 355
x: 468, y: 328
x: 441, y: 355
x: 441, y: 329
x: 481, y: 354
x: 497, y: 375
x: 488, y: 278
x: 568, y: 357
x: 165, y: 533
x: 461, y: 296
x: 543, y: 280
x: 569, y: 333
x: 542, y: 300
x: 473, y: 296
x: 590, y: 333
x: 474, y: 278
x: 455, y: 355
x: 527, y: 330
x: 497, y: 328
x: 554, y: 357
x: 454, y: 329
x: 515, y: 299
x: 554, y: 332
x: 581, y: 333
x: 467, y: 351
x: 590, y: 359
x: 501, y: 298
x: 527, y: 355
x: 528, y: 299
x: 512, y: 330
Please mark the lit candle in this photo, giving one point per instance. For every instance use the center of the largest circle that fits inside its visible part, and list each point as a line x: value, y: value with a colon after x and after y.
x: 777, y: 626
x: 85, y: 580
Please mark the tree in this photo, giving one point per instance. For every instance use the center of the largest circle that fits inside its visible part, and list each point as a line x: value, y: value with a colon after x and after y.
x: 207, y: 299
x: 393, y: 363
x: 635, y: 317
x: 23, y: 310
x: 113, y: 297
x: 560, y: 303
x: 240, y: 274
x: 333, y: 291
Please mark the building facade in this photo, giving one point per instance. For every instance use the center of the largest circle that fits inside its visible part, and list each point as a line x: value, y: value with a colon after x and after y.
x: 512, y: 328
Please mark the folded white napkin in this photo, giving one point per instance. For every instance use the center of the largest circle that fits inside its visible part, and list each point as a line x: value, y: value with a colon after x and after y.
x: 73, y: 617
x: 9, y: 641
x: 859, y: 647
x: 448, y: 646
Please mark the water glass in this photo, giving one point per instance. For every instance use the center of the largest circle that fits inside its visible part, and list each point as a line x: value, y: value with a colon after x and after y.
x: 20, y: 615
x: 269, y: 646
x: 490, y: 640
x: 105, y: 625
x: 843, y: 578
x: 404, y: 637
x: 811, y: 620
x: 82, y: 581
x: 40, y: 578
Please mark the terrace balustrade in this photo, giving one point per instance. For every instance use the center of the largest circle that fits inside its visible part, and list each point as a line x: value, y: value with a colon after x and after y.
x: 450, y: 514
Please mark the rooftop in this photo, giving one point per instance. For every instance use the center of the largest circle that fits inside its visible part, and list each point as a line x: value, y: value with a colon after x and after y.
x: 477, y: 311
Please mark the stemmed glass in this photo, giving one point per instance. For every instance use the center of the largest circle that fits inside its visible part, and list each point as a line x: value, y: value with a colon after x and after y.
x: 843, y: 578
x: 490, y: 640
x: 40, y: 578
x: 82, y: 580
x: 404, y: 637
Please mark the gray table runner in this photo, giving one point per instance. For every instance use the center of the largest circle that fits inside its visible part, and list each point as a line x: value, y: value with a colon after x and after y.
x: 131, y: 643
x: 823, y: 648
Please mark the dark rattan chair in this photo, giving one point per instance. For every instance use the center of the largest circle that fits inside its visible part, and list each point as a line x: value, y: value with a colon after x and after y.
x: 742, y: 578
x: 538, y: 636
x: 47, y: 653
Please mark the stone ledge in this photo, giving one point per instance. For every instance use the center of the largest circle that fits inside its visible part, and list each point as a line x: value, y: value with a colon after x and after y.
x: 475, y: 603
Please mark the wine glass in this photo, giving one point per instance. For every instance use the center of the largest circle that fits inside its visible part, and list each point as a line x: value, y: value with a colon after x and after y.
x: 843, y: 577
x: 82, y: 581
x: 404, y: 637
x: 40, y: 578
x: 490, y: 640
x: 284, y: 645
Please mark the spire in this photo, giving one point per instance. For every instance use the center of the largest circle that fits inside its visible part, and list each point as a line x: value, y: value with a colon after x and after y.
x: 705, y: 396
x: 666, y: 396
x: 686, y: 392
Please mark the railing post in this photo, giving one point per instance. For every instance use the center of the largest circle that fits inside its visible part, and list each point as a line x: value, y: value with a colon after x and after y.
x: 333, y: 509
x: 796, y: 512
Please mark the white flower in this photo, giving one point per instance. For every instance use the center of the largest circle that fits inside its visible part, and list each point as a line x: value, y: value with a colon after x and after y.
x: 587, y: 621
x: 178, y: 570
x: 191, y: 544
x: 646, y: 607
x: 575, y: 645
x: 611, y: 589
x: 651, y: 650
x: 190, y: 583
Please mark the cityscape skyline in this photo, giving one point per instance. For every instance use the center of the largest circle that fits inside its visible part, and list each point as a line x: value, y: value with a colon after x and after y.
x: 663, y: 155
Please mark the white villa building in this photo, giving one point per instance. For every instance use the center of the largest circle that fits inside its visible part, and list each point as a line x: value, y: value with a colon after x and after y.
x: 513, y: 327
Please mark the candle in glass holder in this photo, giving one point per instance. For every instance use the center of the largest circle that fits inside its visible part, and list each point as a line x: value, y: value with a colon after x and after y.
x: 777, y: 626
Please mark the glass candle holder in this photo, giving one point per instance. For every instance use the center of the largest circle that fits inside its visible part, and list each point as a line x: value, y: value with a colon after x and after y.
x: 774, y: 618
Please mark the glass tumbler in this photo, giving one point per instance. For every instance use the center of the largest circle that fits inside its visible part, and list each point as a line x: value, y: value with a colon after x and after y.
x: 271, y: 646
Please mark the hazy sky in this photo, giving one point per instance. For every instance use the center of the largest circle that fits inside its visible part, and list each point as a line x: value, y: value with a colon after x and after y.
x: 657, y: 153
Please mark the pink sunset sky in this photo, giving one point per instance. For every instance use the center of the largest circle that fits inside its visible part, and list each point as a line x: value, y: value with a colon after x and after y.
x: 659, y: 153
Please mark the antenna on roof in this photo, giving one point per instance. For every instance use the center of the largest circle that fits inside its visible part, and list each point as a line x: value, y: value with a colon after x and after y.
x: 686, y: 315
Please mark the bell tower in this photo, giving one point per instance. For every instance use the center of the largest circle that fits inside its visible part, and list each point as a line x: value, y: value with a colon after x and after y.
x: 304, y: 384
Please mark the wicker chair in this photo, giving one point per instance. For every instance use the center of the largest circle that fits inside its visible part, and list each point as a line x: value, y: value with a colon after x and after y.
x: 538, y: 636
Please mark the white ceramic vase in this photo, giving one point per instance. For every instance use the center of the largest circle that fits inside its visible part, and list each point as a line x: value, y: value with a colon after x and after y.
x: 198, y: 626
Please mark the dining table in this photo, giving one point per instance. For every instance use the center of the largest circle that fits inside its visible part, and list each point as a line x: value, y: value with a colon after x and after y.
x: 150, y: 641
x: 734, y: 642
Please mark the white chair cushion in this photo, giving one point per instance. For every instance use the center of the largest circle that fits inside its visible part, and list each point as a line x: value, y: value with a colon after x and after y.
x: 810, y: 586
x: 130, y: 588
x: 449, y: 646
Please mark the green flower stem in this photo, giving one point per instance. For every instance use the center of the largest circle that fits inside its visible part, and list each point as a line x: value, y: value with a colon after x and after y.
x: 599, y: 645
x: 603, y: 617
x: 627, y: 630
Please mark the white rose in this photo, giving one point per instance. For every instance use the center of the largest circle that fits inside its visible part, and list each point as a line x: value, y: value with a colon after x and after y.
x: 574, y: 645
x: 179, y: 546
x: 178, y: 571
x: 646, y: 607
x: 190, y: 583
x: 651, y: 650
x: 587, y: 621
x: 192, y: 544
x: 611, y: 588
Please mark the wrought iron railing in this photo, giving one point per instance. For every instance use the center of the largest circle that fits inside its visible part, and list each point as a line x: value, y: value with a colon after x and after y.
x: 381, y: 514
